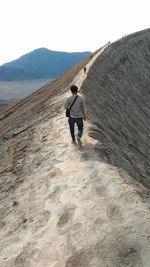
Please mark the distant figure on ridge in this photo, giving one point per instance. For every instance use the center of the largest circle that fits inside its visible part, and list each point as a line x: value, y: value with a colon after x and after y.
x: 84, y: 69
x: 76, y: 105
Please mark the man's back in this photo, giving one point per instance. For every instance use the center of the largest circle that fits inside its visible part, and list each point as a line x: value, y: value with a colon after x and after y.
x: 78, y: 108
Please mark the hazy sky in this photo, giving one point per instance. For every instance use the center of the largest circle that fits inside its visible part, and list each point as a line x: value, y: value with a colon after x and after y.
x: 67, y: 25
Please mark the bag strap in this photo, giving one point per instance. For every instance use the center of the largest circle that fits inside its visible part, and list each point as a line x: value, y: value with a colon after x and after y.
x: 73, y: 102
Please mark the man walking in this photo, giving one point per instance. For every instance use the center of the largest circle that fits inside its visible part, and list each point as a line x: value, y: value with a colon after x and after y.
x: 77, y: 113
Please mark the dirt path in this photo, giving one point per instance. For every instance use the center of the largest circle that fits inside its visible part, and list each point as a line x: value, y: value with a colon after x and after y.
x: 79, y: 211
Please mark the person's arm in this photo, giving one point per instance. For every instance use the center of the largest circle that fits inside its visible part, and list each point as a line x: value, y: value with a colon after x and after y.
x: 84, y: 109
x: 66, y: 105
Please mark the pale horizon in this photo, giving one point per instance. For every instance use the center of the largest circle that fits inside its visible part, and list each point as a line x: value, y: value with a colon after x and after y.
x: 67, y: 26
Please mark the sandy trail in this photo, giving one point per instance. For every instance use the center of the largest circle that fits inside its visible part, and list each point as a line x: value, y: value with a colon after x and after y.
x: 79, y: 210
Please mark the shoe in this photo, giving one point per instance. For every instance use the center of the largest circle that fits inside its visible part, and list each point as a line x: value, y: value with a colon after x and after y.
x: 79, y: 141
x: 73, y: 142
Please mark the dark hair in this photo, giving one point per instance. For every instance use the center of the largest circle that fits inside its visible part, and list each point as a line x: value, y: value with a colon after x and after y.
x: 74, y: 88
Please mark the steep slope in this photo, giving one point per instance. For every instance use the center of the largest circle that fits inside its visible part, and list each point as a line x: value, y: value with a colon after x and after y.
x: 118, y: 96
x: 40, y: 64
x: 17, y: 127
x: 63, y: 205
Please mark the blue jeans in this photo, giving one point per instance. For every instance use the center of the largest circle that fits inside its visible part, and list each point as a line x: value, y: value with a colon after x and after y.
x: 79, y: 122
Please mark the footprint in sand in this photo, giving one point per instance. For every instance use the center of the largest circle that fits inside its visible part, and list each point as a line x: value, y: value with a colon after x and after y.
x: 101, y: 191
x: 66, y: 216
x: 114, y: 213
x: 77, y: 226
x: 28, y: 253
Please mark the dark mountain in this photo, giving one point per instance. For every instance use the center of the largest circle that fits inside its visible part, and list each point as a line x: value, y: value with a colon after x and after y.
x: 40, y: 63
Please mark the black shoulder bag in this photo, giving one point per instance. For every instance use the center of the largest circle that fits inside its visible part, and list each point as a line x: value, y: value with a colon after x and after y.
x: 68, y: 110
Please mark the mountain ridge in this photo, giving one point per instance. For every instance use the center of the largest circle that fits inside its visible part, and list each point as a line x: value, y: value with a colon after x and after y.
x: 40, y: 63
